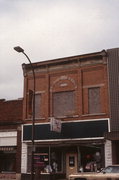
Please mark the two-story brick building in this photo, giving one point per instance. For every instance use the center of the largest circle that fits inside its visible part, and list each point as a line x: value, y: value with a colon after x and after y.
x: 82, y: 92
x: 10, y: 138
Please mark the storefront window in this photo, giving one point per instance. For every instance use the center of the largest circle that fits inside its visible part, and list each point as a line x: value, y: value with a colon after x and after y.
x: 7, y: 160
x: 91, y: 158
x: 46, y: 159
x: 56, y: 159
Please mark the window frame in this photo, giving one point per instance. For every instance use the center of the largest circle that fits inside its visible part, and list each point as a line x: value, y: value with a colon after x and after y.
x: 71, y: 113
x: 90, y: 102
x: 30, y: 106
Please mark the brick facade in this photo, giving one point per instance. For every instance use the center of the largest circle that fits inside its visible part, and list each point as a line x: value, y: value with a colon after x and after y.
x: 10, y: 123
x: 76, y: 74
x: 75, y: 91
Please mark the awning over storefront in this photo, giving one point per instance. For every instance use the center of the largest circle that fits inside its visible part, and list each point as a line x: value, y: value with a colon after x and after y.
x: 8, y: 138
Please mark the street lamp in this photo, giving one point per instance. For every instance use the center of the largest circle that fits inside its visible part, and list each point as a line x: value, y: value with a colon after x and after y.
x: 20, y: 50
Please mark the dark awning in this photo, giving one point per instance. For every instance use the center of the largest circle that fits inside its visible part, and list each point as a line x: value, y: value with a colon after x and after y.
x: 73, y: 130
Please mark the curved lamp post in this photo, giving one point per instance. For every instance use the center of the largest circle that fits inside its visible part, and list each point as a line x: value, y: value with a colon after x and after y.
x: 20, y: 50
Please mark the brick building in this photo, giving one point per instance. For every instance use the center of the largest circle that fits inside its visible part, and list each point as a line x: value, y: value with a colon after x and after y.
x: 10, y: 136
x: 75, y: 90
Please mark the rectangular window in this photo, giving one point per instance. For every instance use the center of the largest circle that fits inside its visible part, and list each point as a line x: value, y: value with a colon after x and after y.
x: 30, y: 102
x: 94, y: 104
x: 37, y: 105
x: 63, y: 103
x: 71, y: 161
x: 47, y: 158
x: 56, y: 156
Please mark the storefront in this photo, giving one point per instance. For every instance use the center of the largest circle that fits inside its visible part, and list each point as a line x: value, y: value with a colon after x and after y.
x: 8, y: 144
x: 79, y: 145
x: 7, y: 159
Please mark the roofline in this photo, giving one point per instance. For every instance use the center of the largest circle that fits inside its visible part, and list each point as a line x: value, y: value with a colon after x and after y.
x: 65, y: 59
x: 6, y: 123
x: 4, y: 100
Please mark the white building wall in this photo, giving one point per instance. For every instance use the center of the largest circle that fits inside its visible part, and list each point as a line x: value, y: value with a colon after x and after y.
x: 24, y: 158
x: 108, y: 153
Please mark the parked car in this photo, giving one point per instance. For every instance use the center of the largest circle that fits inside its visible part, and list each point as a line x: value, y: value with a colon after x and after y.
x: 108, y: 173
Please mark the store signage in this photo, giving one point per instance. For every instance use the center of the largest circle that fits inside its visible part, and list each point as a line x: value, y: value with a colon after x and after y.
x: 55, y: 124
x: 57, y: 129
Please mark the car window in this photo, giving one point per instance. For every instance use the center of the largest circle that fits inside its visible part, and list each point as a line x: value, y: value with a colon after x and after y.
x: 111, y: 169
x: 115, y: 169
x: 108, y: 170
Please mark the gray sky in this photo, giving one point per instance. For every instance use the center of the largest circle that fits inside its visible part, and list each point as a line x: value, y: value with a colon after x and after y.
x: 49, y: 29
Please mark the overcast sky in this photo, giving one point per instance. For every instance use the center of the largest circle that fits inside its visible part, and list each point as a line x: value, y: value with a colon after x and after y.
x: 49, y: 29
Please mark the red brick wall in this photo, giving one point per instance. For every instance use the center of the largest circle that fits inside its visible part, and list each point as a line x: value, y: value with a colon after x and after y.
x: 11, y: 111
x: 78, y: 77
x: 11, y: 120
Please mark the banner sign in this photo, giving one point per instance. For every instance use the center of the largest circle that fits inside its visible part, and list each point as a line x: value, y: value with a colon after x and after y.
x: 55, y: 124
x: 66, y: 130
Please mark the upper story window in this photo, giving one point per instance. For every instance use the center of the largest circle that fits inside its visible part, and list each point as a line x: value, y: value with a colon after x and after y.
x: 37, y: 105
x: 63, y: 103
x: 94, y: 100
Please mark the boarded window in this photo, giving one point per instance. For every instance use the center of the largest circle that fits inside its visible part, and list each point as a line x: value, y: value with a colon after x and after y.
x: 30, y: 103
x: 94, y: 104
x: 37, y: 105
x: 63, y: 103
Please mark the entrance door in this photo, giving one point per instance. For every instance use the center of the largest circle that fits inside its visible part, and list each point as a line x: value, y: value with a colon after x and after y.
x: 71, y: 163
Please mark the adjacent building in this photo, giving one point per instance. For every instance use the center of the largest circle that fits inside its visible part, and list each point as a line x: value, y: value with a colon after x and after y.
x: 76, y: 113
x: 10, y: 137
x: 113, y: 88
